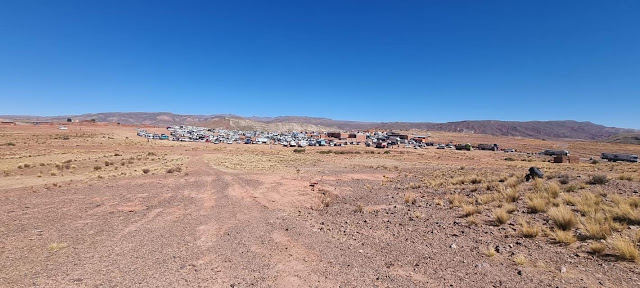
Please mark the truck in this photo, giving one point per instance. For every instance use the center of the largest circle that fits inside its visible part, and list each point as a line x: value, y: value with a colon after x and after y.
x: 492, y: 147
x: 615, y: 157
x: 464, y: 147
x: 554, y: 152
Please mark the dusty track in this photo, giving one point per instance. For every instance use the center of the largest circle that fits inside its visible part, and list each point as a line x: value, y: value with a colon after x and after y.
x: 203, y: 229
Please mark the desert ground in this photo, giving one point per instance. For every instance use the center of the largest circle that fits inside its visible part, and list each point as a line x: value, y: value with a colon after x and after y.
x: 97, y: 206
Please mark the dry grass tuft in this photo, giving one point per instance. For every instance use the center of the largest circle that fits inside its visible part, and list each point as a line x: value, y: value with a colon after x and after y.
x: 589, y: 203
x: 511, y: 195
x: 510, y: 208
x: 626, y: 177
x: 597, y: 226
x: 564, y: 237
x: 457, y: 200
x: 410, y: 199
x: 563, y: 217
x: 529, y: 230
x: 501, y: 216
x: 490, y: 251
x: 469, y: 210
x: 625, y: 248
x: 520, y: 260
x: 97, y: 167
x: 537, y: 204
x: 57, y: 246
x: 471, y: 220
x: 597, y: 247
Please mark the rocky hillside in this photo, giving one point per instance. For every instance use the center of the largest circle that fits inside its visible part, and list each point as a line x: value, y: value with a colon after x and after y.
x: 530, y: 129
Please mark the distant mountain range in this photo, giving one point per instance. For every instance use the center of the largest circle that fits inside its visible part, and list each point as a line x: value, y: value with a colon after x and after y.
x: 530, y: 129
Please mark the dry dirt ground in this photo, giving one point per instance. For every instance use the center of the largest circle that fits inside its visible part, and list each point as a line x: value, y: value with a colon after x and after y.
x: 97, y: 206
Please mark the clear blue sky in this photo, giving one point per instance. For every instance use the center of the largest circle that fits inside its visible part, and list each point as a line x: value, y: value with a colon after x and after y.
x: 422, y: 60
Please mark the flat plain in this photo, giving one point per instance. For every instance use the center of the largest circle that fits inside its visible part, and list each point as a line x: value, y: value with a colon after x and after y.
x: 97, y: 206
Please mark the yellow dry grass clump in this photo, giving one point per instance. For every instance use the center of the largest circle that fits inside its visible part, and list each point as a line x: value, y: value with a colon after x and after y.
x: 563, y: 217
x: 501, y: 216
x: 625, y: 248
x: 529, y: 230
x: 564, y: 237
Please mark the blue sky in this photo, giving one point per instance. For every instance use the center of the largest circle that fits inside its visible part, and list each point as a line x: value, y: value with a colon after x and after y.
x: 433, y: 61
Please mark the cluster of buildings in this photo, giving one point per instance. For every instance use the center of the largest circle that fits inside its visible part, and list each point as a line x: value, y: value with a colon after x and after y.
x: 292, y: 139
x: 369, y: 138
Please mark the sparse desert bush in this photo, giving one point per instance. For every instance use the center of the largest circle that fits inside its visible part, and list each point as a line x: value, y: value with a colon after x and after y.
x: 146, y: 170
x: 6, y: 172
x: 598, y: 180
x: 564, y: 237
x: 130, y: 161
x: 10, y: 144
x: 97, y: 167
x: 298, y: 150
x: 501, y: 216
x: 597, y: 247
x: 529, y: 230
x: 520, y: 260
x: 67, y: 161
x: 563, y: 217
x: 564, y: 180
x: 42, y: 164
x: 417, y: 215
x: 107, y: 163
x: 67, y: 166
x: 409, y: 198
x: 20, y: 166
x: 490, y: 251
x: 117, y: 154
x: 53, y: 173
x: 359, y: 208
x: 509, y: 159
x: 469, y: 210
x: 625, y: 248
x: 59, y: 166
x: 74, y: 166
x: 122, y: 163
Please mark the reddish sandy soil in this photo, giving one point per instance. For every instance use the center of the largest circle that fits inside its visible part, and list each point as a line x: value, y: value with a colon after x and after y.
x: 246, y: 215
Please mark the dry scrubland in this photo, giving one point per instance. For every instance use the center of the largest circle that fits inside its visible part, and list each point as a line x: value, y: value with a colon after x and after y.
x: 97, y: 206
